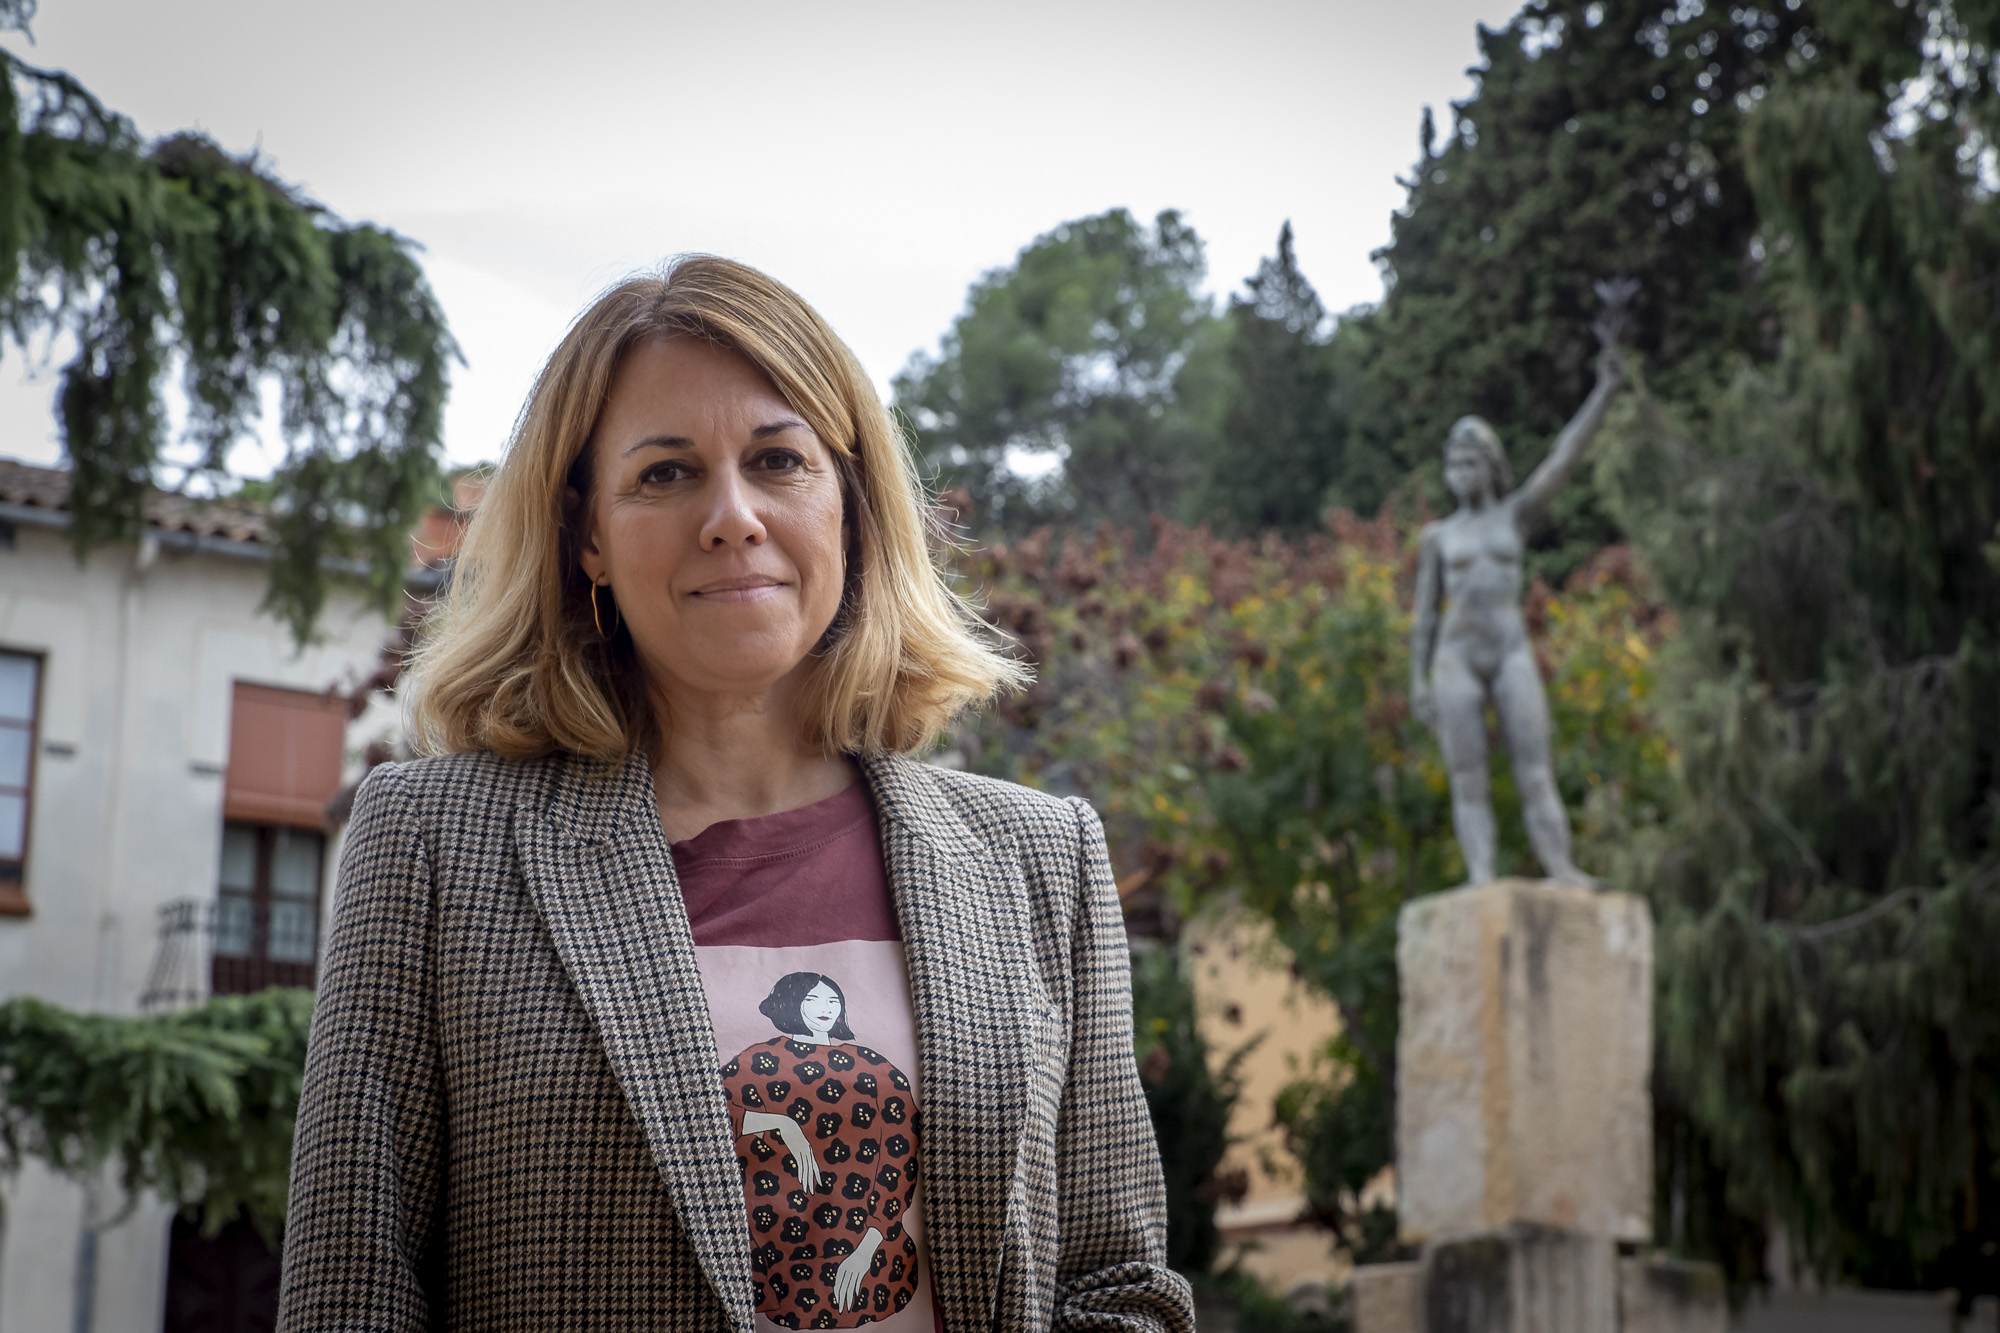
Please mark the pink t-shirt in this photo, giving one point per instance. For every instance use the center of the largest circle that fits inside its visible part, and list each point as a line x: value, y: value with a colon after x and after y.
x: 800, y: 955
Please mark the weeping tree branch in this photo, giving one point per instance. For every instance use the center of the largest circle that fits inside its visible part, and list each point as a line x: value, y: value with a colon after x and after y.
x: 176, y: 257
x: 1842, y: 925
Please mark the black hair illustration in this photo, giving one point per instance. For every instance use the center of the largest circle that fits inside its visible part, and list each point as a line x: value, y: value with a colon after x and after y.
x: 781, y: 1006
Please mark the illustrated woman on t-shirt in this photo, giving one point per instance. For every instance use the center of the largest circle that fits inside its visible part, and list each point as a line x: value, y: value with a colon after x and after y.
x: 827, y: 1144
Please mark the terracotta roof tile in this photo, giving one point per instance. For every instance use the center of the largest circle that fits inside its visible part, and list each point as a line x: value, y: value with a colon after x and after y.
x: 37, y: 487
x: 48, y: 488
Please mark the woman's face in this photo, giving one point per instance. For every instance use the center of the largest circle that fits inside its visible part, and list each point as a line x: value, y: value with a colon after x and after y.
x: 1466, y: 475
x: 820, y: 1009
x: 715, y: 519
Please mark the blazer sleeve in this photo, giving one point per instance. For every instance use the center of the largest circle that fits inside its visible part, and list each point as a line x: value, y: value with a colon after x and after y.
x: 366, y: 1166
x: 1112, y: 1270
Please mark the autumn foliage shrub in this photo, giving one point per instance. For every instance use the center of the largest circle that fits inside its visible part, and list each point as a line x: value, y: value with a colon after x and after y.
x: 1237, y: 712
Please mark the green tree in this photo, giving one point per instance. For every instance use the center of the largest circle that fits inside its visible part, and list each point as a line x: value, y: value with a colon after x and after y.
x: 174, y: 258
x: 1189, y: 1102
x: 1094, y: 351
x: 1605, y: 138
x: 1829, y: 891
x: 1280, y: 446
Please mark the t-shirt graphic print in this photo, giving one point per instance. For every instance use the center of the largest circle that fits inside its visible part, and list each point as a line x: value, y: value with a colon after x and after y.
x: 827, y: 1146
x: 809, y: 994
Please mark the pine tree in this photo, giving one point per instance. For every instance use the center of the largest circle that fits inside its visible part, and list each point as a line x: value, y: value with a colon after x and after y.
x: 173, y: 257
x: 1096, y: 351
x: 1279, y: 449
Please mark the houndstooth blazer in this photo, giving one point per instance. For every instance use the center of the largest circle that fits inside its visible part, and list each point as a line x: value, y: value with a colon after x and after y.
x: 513, y: 1115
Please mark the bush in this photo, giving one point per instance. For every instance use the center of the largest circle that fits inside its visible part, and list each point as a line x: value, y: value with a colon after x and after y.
x: 197, y: 1106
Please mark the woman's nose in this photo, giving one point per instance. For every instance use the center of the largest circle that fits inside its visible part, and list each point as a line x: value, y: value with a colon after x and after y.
x: 731, y: 519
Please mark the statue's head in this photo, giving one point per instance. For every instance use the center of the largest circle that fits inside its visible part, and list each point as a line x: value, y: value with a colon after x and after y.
x: 1474, y: 459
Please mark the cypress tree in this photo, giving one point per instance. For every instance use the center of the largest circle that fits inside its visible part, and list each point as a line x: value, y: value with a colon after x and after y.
x: 1829, y: 891
x: 1604, y: 139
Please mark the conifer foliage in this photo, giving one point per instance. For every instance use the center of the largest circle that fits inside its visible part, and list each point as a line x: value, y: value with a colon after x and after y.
x: 1829, y: 890
x: 1279, y: 449
x: 1094, y: 358
x: 1605, y: 138
x: 195, y: 1106
x: 174, y: 258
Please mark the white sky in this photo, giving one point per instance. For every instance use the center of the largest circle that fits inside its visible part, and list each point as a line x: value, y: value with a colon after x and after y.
x: 877, y: 156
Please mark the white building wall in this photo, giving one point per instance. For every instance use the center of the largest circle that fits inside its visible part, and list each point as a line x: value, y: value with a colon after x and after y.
x: 140, y: 650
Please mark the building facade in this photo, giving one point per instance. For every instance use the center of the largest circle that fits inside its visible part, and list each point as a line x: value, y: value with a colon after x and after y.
x: 167, y: 755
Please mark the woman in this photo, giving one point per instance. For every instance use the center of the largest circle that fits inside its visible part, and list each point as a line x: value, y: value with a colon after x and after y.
x: 694, y: 634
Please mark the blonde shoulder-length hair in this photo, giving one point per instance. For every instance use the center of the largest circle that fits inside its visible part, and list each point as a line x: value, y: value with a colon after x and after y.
x: 511, y: 660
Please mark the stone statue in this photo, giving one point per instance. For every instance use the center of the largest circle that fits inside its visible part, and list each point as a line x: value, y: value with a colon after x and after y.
x: 1479, y: 652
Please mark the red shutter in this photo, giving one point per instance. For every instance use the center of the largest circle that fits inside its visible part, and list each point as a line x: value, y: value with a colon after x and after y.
x: 285, y: 749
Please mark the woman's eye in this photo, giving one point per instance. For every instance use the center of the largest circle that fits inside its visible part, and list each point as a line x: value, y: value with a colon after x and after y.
x: 780, y: 460
x: 672, y: 470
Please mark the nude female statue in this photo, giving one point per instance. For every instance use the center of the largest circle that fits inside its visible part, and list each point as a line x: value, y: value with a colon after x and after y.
x: 1471, y: 562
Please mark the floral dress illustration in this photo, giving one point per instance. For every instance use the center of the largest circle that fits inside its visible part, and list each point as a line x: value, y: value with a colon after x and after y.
x: 827, y: 1141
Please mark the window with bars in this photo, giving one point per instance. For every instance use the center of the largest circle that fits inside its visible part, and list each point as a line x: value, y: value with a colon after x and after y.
x: 20, y: 699
x: 284, y: 766
x: 267, y: 907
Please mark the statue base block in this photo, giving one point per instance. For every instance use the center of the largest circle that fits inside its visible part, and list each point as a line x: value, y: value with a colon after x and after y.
x: 1536, y: 1280
x: 1522, y: 1280
x: 1523, y: 1063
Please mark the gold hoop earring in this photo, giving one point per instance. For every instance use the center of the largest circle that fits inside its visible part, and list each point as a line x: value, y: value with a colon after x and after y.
x: 597, y: 619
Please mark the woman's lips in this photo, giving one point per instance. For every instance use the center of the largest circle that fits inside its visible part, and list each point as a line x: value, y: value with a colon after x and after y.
x: 754, y: 588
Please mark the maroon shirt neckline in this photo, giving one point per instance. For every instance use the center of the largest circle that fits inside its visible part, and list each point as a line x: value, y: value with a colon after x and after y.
x: 792, y: 879
x: 762, y: 839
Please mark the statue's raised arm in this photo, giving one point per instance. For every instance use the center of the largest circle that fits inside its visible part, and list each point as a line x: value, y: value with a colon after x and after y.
x: 1533, y: 498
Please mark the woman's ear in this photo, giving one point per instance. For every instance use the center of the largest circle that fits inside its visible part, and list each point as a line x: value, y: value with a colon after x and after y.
x: 588, y: 554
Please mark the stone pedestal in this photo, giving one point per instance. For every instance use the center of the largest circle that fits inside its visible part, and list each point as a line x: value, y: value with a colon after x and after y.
x: 1524, y: 1279
x: 1534, y: 1280
x: 1386, y: 1298
x: 1528, y: 1280
x: 1523, y: 1063
x: 1524, y: 1153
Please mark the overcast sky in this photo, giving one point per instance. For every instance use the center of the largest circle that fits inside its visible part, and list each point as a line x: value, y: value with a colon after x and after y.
x: 877, y: 156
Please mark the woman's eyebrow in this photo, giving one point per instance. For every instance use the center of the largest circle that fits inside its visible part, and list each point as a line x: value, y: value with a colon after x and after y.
x: 763, y: 432
x: 661, y: 442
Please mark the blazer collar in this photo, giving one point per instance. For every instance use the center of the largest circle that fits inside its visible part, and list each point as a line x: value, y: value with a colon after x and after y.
x: 963, y: 906
x: 600, y: 871
x: 907, y: 795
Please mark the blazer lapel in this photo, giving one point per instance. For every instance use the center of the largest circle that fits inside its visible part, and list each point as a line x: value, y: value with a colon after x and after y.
x: 963, y: 908
x: 598, y: 867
